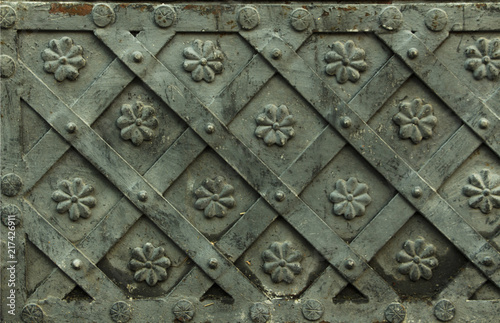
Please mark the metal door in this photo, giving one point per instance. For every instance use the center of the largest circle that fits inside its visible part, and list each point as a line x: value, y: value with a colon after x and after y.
x: 225, y: 162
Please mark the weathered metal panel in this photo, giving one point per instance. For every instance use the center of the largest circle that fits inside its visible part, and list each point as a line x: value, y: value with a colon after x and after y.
x: 225, y: 162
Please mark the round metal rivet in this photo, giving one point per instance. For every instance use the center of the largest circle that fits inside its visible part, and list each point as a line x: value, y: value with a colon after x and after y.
x: 395, y: 313
x: 349, y: 264
x: 412, y: 53
x: 71, y: 127
x: 487, y: 261
x: 103, y: 15
x: 276, y: 53
x: 76, y: 264
x: 391, y: 18
x: 213, y: 263
x: 248, y: 18
x: 11, y: 184
x: 7, y: 17
x: 312, y: 310
x: 32, y: 313
x: 137, y: 56
x: 260, y: 313
x: 11, y: 215
x: 120, y: 312
x: 301, y: 19
x: 279, y: 196
x: 142, y: 196
x: 164, y: 16
x: 346, y: 122
x: 417, y: 192
x: 183, y: 310
x: 436, y: 19
x: 483, y: 123
x: 444, y: 310
x: 7, y: 66
x: 210, y: 128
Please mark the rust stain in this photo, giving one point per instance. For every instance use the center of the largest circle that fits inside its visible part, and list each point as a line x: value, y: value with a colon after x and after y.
x: 204, y: 10
x: 481, y: 5
x: 348, y: 8
x: 72, y: 10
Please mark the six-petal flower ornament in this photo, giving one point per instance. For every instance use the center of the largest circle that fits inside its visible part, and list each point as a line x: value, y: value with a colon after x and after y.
x: 345, y: 61
x: 350, y: 198
x: 63, y: 58
x: 417, y: 259
x: 282, y: 262
x: 203, y: 60
x: 483, y: 190
x: 483, y: 59
x: 149, y: 263
x: 74, y: 196
x: 214, y: 196
x: 137, y: 122
x: 274, y: 125
x: 415, y: 120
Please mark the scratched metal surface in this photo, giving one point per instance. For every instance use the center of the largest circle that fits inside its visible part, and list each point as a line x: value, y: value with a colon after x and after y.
x: 236, y: 162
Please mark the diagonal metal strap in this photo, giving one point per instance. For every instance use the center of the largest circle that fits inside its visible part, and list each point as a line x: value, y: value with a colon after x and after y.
x: 133, y: 185
x: 181, y: 100
x: 472, y: 110
x: 378, y: 153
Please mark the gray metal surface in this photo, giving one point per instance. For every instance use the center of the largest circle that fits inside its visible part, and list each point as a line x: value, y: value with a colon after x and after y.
x: 224, y: 162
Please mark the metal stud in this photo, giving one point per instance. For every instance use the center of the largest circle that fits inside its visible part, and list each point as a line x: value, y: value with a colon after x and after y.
x: 11, y: 184
x: 103, y: 15
x: 444, y: 310
x: 301, y: 19
x: 137, y: 56
x: 483, y: 123
x: 349, y: 264
x: 487, y: 261
x: 248, y: 18
x: 209, y: 128
x: 279, y: 196
x: 276, y: 53
x: 8, y: 17
x: 142, y: 196
x: 346, y: 122
x: 7, y: 66
x: 76, y: 264
x: 164, y: 16
x: 412, y: 53
x: 395, y: 313
x: 70, y: 127
x: 213, y: 263
x: 417, y: 192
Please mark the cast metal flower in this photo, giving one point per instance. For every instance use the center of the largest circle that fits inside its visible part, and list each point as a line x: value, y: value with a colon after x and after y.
x: 345, y: 62
x: 74, y: 196
x: 350, y: 198
x: 483, y: 59
x: 63, y: 58
x: 137, y: 122
x: 282, y: 262
x: 417, y: 259
x: 415, y: 120
x: 203, y: 60
x: 483, y: 190
x: 149, y: 264
x: 214, y: 197
x: 274, y: 125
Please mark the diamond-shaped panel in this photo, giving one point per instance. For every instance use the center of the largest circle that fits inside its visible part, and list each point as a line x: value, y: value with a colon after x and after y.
x: 205, y: 63
x: 96, y: 57
x: 346, y: 166
x: 72, y: 168
x: 211, y: 195
x: 329, y: 54
x: 139, y: 126
x: 402, y: 120
x: 117, y: 262
x: 305, y: 124
x: 469, y: 192
x: 418, y: 261
x: 281, y: 262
